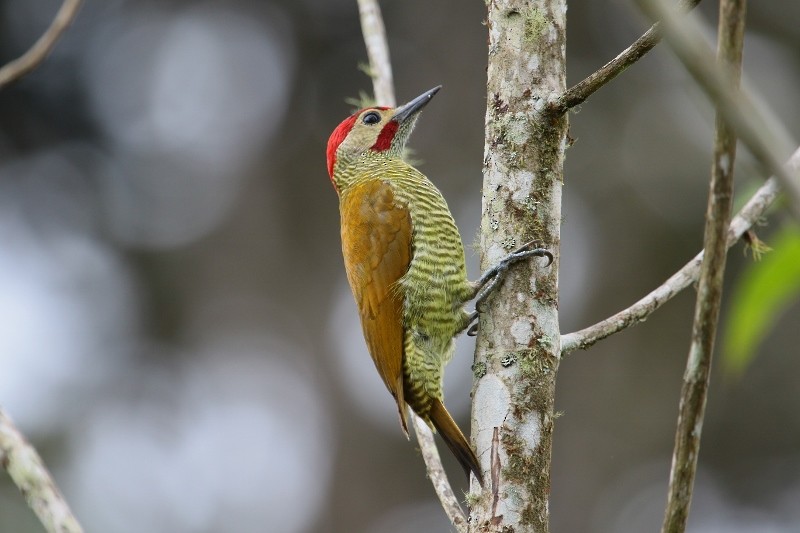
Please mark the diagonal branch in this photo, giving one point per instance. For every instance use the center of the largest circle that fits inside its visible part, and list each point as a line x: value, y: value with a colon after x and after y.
x: 14, y: 70
x: 639, y: 311
x: 383, y: 86
x: 17, y: 456
x: 577, y: 94
x: 762, y: 133
x: 438, y: 476
x: 694, y: 392
x: 30, y: 475
x: 764, y: 136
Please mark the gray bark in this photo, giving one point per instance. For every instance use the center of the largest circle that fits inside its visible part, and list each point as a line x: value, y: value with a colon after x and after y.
x: 518, y: 347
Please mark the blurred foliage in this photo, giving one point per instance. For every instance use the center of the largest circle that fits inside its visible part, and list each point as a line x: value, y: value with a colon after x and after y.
x: 766, y: 289
x: 363, y: 100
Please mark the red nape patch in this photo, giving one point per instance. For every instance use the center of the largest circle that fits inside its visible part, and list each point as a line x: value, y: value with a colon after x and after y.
x: 386, y: 136
x: 336, y: 138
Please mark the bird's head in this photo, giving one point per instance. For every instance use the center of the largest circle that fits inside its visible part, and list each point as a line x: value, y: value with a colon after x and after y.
x: 374, y: 130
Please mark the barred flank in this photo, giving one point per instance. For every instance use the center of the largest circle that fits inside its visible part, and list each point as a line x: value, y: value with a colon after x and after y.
x: 434, y: 290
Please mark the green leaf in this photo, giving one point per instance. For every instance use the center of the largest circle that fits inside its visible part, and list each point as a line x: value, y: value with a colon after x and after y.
x: 764, y: 291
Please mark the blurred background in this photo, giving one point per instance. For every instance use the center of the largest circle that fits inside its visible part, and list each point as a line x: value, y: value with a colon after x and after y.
x: 176, y: 333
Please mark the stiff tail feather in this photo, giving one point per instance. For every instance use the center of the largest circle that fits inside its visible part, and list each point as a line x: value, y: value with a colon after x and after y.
x: 454, y: 439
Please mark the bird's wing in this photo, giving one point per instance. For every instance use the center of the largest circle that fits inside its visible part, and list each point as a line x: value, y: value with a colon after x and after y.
x: 376, y: 243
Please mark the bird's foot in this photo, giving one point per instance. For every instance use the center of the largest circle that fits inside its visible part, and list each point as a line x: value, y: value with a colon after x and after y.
x: 492, y: 278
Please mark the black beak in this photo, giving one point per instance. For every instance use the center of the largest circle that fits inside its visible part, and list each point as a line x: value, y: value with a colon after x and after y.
x: 406, y: 111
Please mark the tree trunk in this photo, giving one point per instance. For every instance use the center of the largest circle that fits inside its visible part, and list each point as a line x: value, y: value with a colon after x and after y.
x: 518, y: 347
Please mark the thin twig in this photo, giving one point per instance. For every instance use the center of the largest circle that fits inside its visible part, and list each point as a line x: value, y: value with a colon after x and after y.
x: 747, y: 217
x: 383, y: 86
x: 14, y: 70
x: 759, y: 130
x: 438, y: 476
x: 577, y: 94
x: 694, y: 392
x: 30, y: 475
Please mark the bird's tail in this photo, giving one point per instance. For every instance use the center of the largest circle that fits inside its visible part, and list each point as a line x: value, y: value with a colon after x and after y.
x: 454, y: 439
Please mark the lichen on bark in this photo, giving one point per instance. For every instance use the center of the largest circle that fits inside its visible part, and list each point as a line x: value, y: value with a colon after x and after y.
x: 518, y: 347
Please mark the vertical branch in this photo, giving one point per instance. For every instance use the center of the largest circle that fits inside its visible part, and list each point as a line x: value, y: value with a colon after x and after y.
x: 518, y: 346
x: 381, y: 72
x: 709, y: 292
x: 380, y: 66
x: 30, y: 475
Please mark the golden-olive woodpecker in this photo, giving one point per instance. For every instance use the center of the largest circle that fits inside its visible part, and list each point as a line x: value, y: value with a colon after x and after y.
x: 405, y: 263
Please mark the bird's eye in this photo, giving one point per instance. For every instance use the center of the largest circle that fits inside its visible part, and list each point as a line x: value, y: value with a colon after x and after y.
x: 371, y: 118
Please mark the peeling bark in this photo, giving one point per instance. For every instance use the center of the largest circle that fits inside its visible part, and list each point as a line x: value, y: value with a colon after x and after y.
x: 518, y: 347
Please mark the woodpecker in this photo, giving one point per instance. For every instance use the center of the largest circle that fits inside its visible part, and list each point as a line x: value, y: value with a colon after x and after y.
x: 405, y: 263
